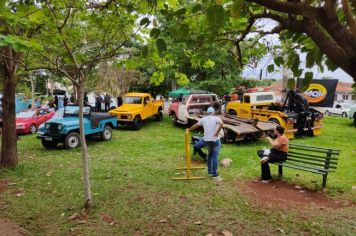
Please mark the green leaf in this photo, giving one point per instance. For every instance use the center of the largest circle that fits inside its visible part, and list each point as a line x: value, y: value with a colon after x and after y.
x: 331, y: 66
x: 270, y: 68
x: 144, y: 51
x: 310, y: 59
x: 197, y: 8
x: 279, y: 61
x: 295, y: 64
x: 180, y: 12
x: 182, y: 31
x: 144, y: 22
x: 291, y: 84
x: 236, y: 8
x: 161, y: 46
x: 216, y: 15
x: 37, y: 17
x: 307, y: 79
x: 155, y: 33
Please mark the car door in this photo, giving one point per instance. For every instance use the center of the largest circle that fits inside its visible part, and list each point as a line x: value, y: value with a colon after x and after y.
x: 338, y: 110
x: 40, y: 117
x: 146, y: 107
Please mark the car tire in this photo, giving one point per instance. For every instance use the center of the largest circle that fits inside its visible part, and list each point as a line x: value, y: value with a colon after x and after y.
x: 72, y: 140
x: 137, y: 123
x: 159, y: 116
x: 232, y: 112
x: 274, y: 121
x: 106, y: 134
x: 174, y: 119
x: 327, y: 113
x: 49, y: 144
x: 33, y: 129
x: 344, y: 114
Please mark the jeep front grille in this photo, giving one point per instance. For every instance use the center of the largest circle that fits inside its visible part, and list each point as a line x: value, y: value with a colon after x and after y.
x: 53, y: 129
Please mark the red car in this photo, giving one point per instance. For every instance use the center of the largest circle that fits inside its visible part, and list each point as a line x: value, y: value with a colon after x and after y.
x: 28, y: 121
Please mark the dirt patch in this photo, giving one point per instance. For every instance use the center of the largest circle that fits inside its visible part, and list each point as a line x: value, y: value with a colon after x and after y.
x: 3, y: 185
x: 288, y: 196
x: 9, y: 228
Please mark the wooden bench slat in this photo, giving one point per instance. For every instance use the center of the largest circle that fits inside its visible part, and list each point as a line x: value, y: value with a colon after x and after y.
x: 311, y: 155
x: 314, y: 147
x: 304, y: 167
x: 300, y: 168
x: 322, y: 162
x: 309, y: 167
x: 325, y: 151
x: 310, y: 163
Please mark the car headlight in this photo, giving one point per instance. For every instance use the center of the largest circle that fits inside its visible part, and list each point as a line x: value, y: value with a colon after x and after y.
x: 60, y: 126
x: 47, y: 126
x: 129, y: 116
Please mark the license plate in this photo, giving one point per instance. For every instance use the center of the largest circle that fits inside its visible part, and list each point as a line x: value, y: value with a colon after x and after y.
x: 48, y: 138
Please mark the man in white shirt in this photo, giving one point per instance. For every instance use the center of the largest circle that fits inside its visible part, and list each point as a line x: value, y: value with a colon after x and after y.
x: 212, y: 126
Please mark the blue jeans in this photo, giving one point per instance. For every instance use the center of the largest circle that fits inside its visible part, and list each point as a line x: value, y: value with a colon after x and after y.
x: 213, y: 154
x: 198, y: 146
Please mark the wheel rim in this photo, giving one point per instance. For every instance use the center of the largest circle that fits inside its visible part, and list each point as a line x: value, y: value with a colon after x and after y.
x: 33, y: 129
x: 73, y: 141
x: 107, y: 134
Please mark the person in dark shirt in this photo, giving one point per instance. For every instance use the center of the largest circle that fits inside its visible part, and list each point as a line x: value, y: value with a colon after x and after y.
x: 119, y: 101
x: 86, y: 99
x: 56, y: 102
x: 180, y: 98
x: 98, y: 102
x: 107, y: 101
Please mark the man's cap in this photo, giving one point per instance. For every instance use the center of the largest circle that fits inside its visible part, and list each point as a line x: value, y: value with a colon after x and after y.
x: 210, y: 110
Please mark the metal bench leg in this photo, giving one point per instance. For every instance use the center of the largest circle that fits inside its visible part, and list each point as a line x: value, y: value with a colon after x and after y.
x: 324, y: 180
x: 280, y: 171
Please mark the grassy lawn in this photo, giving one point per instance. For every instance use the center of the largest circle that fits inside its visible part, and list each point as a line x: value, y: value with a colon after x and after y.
x: 131, y: 183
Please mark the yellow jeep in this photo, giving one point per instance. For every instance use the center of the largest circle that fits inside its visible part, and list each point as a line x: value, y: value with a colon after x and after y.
x: 137, y: 107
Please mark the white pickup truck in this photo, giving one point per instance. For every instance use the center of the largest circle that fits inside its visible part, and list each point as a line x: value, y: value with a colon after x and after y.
x: 194, y: 104
x: 338, y: 109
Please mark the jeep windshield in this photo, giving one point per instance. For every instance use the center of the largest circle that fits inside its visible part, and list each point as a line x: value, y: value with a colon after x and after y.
x: 133, y: 100
x: 74, y: 110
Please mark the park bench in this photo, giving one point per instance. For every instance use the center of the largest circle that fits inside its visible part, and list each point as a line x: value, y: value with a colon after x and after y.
x: 312, y: 159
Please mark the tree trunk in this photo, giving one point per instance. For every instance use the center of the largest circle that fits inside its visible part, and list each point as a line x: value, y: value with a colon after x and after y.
x: 33, y: 91
x: 75, y: 94
x: 85, y: 156
x: 8, y: 156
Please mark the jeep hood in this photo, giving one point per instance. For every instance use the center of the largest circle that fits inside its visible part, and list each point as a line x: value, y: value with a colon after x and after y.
x: 66, y: 121
x: 128, y: 108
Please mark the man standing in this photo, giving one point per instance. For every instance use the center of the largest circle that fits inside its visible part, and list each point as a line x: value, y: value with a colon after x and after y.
x: 107, y: 101
x: 119, y: 101
x: 212, y: 126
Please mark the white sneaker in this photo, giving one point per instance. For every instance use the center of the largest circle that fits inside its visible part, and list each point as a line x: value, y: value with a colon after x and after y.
x: 266, y: 181
x: 217, y: 178
x: 264, y: 160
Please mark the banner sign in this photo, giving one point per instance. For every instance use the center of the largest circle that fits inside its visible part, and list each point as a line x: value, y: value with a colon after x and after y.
x: 321, y: 92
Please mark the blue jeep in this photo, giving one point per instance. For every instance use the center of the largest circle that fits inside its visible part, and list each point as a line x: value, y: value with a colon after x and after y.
x: 66, y: 129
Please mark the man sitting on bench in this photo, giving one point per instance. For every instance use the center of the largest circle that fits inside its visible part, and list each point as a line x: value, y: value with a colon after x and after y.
x: 277, y: 153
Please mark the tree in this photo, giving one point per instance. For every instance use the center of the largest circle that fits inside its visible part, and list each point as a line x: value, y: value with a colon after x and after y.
x: 78, y: 36
x: 323, y: 30
x: 330, y: 24
x: 19, y: 21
